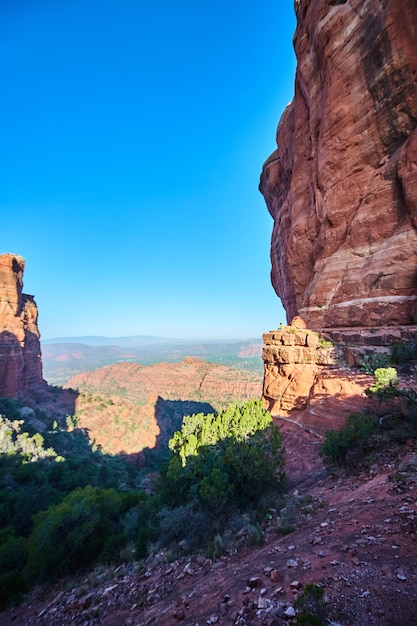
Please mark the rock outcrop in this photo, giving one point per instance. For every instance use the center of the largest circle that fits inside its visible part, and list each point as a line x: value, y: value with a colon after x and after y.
x: 293, y: 359
x: 304, y: 381
x: 20, y: 352
x: 313, y: 378
x: 342, y: 185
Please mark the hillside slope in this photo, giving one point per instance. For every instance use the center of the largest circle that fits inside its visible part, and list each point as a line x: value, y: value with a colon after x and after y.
x: 354, y: 536
x: 192, y: 379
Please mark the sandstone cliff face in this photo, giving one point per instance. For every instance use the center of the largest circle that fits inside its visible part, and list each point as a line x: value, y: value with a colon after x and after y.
x: 342, y: 185
x: 20, y: 353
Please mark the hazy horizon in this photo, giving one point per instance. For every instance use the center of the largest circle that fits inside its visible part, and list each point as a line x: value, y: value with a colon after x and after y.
x: 146, y: 337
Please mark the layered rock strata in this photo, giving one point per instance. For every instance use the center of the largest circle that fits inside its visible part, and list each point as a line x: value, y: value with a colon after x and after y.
x: 307, y: 381
x: 358, y: 344
x: 342, y: 185
x: 20, y: 352
x: 293, y: 359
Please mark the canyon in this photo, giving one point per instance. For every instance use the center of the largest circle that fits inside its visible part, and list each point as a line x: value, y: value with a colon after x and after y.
x: 127, y: 407
x: 341, y: 188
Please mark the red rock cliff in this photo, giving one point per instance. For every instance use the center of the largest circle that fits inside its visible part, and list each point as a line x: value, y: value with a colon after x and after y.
x: 342, y: 185
x: 20, y: 353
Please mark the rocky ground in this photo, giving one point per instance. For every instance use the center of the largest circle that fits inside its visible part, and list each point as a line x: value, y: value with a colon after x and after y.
x: 355, y: 537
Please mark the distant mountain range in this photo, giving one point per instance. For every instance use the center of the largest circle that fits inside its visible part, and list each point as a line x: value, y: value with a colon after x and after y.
x: 141, y: 340
x: 129, y: 341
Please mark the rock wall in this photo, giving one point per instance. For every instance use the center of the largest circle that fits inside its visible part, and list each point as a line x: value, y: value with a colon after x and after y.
x: 20, y: 353
x: 342, y: 185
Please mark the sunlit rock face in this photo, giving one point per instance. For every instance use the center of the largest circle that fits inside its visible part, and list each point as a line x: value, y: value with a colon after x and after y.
x: 20, y: 353
x: 342, y: 185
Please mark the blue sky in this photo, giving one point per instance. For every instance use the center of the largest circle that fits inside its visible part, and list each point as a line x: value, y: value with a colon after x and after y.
x: 133, y: 136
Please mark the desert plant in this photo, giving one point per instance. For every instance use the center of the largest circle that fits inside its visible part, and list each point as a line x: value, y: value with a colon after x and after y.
x: 372, y: 362
x: 348, y: 446
x: 325, y: 343
x: 384, y: 377
x: 230, y: 458
x: 311, y: 606
x: 77, y: 531
x: 403, y: 352
x: 13, y: 555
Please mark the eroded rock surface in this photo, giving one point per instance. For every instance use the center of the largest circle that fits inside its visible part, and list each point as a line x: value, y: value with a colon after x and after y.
x: 342, y: 185
x: 20, y: 352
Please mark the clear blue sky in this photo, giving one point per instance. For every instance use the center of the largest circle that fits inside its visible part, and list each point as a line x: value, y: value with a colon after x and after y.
x: 133, y: 135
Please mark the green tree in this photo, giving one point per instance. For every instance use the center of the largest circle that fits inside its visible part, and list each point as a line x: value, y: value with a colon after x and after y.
x: 76, y: 532
x: 231, y: 458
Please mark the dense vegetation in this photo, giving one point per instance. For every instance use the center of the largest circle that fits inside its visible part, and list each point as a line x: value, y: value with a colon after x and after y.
x: 65, y: 504
x: 224, y: 469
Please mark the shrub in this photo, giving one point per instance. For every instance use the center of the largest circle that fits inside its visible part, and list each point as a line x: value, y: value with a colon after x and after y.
x: 221, y: 464
x: 230, y: 458
x: 13, y: 555
x: 76, y: 532
x: 186, y: 524
x: 325, y: 343
x: 348, y: 446
x: 372, y: 362
x: 384, y: 377
x: 403, y: 352
x: 311, y: 606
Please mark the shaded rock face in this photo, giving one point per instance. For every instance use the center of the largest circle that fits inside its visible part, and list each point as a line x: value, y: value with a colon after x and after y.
x: 20, y: 353
x: 342, y: 185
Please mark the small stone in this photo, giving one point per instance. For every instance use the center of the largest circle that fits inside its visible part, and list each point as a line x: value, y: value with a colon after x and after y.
x: 276, y: 576
x: 263, y: 603
x: 292, y: 563
x: 401, y: 577
x: 179, y: 614
x: 255, y: 581
x: 278, y: 591
x: 290, y: 612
